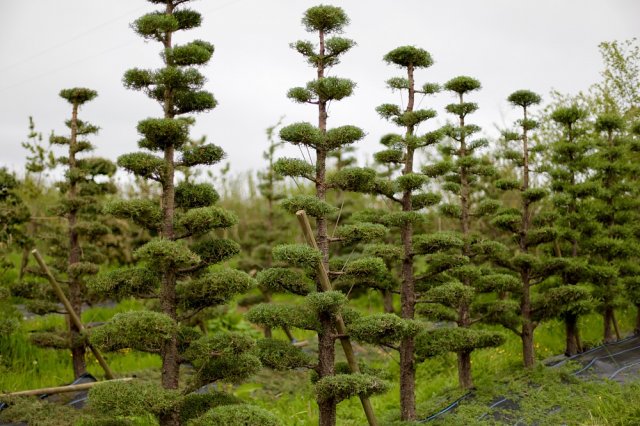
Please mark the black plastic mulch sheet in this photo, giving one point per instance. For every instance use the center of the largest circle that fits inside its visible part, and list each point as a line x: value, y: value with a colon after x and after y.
x: 619, y: 361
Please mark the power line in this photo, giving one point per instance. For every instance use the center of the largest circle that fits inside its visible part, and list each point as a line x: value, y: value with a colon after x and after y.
x: 69, y: 40
x: 47, y: 73
x: 87, y: 57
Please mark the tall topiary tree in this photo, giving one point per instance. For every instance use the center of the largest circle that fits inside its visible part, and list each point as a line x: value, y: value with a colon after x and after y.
x: 612, y: 245
x: 410, y: 59
x: 528, y: 229
x: 461, y: 171
x: 73, y: 245
x: 405, y: 193
x: 173, y: 266
x: 321, y: 309
x: 572, y: 190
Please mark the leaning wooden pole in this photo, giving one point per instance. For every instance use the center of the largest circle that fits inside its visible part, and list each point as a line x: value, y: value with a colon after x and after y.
x: 60, y: 389
x: 72, y: 314
x: 341, y: 328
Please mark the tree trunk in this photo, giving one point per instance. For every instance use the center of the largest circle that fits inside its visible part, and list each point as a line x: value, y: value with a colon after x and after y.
x: 608, y: 322
x: 636, y: 330
x: 464, y: 370
x: 387, y: 301
x: 407, y: 380
x: 326, y: 362
x: 572, y: 336
x: 528, y: 351
x: 75, y: 286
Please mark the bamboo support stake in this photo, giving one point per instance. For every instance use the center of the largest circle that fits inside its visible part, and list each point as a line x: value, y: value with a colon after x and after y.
x: 325, y: 283
x: 61, y: 389
x: 72, y: 314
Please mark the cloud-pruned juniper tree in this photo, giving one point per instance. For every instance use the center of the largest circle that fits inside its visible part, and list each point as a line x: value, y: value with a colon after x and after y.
x: 408, y: 58
x: 571, y: 192
x: 613, y: 245
x: 74, y: 247
x: 529, y: 230
x: 322, y: 309
x: 174, y: 266
x: 461, y: 171
x: 405, y: 193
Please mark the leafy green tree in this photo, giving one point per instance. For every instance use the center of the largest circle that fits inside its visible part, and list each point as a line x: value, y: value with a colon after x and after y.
x: 174, y: 266
x: 619, y: 90
x: 461, y: 171
x: 572, y: 191
x: 321, y: 310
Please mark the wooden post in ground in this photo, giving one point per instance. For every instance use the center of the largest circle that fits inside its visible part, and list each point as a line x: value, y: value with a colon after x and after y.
x: 72, y: 314
x: 325, y: 283
x: 61, y: 389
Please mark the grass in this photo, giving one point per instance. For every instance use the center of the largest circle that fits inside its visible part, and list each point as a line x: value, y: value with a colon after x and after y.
x: 289, y: 395
x: 496, y: 371
x: 26, y: 366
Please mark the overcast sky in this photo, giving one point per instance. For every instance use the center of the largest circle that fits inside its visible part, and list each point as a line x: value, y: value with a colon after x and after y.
x: 48, y: 45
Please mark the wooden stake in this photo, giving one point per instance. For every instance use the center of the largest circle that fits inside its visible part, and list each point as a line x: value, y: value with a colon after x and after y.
x: 61, y: 389
x: 325, y: 284
x: 72, y: 314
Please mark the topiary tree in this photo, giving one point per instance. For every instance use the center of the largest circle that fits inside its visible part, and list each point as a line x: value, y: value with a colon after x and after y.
x: 73, y: 245
x: 174, y: 266
x: 572, y: 190
x: 462, y: 170
x: 528, y: 229
x: 612, y: 244
x: 321, y: 309
x: 402, y: 151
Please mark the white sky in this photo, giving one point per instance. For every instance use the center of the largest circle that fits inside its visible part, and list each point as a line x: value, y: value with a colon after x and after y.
x: 48, y: 45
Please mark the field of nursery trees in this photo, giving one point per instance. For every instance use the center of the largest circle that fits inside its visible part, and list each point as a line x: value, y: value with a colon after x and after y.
x: 451, y: 278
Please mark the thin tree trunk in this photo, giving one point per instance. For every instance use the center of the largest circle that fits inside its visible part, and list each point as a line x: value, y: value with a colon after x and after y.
x: 636, y: 331
x: 572, y: 338
x: 615, y: 324
x: 407, y: 380
x: 168, y: 302
x: 464, y: 370
x: 387, y: 301
x: 464, y: 358
x: 407, y: 290
x: 528, y: 351
x: 608, y: 320
x: 326, y: 362
x: 75, y: 286
x: 267, y: 330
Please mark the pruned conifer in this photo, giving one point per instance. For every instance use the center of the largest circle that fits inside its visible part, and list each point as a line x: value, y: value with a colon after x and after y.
x: 173, y: 267
x: 320, y: 310
x: 461, y: 172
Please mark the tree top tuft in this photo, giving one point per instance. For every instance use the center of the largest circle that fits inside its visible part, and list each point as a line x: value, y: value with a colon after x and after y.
x: 325, y: 18
x: 405, y: 56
